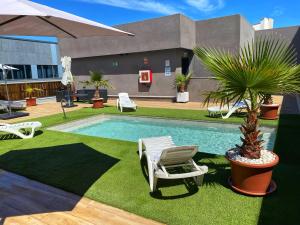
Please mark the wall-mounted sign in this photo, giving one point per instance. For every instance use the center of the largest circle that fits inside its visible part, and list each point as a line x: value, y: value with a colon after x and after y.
x: 167, y: 63
x: 145, y: 76
x: 168, y: 71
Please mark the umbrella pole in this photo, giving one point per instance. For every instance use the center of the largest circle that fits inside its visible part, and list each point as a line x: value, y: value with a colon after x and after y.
x: 6, y: 88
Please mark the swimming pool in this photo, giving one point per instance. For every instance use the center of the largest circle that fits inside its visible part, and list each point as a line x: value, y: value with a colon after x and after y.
x: 210, y: 137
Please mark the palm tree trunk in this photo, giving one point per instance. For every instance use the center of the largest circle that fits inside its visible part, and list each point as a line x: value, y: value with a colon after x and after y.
x: 251, y: 146
x: 97, y: 95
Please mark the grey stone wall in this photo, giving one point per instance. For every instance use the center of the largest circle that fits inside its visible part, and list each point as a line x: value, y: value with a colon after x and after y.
x: 13, y: 51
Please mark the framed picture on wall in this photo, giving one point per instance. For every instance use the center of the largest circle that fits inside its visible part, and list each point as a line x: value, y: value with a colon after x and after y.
x: 145, y: 76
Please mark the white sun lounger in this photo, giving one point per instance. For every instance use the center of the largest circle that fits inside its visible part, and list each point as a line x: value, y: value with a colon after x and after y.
x: 162, y: 155
x: 215, y: 110
x: 125, y: 102
x: 17, y: 128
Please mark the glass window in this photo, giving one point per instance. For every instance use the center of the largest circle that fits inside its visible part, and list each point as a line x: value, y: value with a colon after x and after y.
x: 28, y: 72
x: 19, y: 74
x: 40, y: 71
x: 55, y: 69
x: 22, y: 72
x: 47, y: 71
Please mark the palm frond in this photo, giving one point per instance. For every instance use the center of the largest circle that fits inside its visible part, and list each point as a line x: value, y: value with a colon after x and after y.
x: 266, y: 65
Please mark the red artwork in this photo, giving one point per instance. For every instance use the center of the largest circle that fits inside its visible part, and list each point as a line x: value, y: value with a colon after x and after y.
x: 145, y: 76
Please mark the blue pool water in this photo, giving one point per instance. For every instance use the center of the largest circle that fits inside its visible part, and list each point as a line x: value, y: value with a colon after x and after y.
x: 210, y: 137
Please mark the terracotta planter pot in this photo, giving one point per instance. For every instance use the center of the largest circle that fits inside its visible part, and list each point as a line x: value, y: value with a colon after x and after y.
x: 97, y: 103
x: 31, y: 102
x: 252, y: 179
x: 269, y: 112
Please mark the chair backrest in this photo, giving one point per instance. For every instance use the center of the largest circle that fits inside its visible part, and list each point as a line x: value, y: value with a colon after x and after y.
x: 162, y: 142
x: 123, y: 97
x: 177, y: 155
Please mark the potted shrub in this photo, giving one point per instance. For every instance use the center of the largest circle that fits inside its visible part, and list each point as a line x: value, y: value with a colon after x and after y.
x: 264, y: 66
x: 30, y: 91
x: 181, y: 82
x: 97, y: 81
x: 269, y: 110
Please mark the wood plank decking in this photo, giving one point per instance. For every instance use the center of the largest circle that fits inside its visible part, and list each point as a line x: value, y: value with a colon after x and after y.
x: 27, y: 202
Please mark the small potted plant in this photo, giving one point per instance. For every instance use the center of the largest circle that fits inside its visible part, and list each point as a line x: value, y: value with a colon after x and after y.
x: 97, y: 81
x: 269, y: 110
x: 30, y: 91
x: 181, y: 83
x: 264, y: 66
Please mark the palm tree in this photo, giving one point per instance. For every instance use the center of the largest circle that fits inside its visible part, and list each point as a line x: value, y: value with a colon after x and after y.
x: 97, y: 81
x: 182, y: 80
x: 262, y: 67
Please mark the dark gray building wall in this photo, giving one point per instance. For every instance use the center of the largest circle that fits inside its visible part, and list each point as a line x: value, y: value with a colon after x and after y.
x: 187, y: 32
x: 124, y: 77
x: 221, y: 33
x: 170, y: 37
x: 150, y: 35
x: 289, y: 34
x: 247, y: 33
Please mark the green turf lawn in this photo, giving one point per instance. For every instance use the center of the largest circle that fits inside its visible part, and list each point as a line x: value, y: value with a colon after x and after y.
x: 109, y: 171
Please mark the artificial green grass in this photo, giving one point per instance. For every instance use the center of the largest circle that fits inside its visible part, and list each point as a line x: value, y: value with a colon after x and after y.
x: 109, y: 171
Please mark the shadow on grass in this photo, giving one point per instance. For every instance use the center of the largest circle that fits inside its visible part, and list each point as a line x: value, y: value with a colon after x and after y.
x: 282, y: 207
x: 218, y: 173
x: 7, y: 136
x: 72, y: 167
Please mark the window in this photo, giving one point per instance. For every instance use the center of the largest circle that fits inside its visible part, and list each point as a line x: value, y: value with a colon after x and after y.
x: 47, y: 71
x: 22, y: 72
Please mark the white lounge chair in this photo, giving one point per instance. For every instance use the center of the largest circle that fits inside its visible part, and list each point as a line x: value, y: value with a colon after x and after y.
x: 162, y: 155
x: 125, y: 102
x: 216, y: 110
x: 17, y: 128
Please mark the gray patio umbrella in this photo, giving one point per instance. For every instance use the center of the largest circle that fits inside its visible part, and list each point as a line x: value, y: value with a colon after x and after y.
x: 23, y: 17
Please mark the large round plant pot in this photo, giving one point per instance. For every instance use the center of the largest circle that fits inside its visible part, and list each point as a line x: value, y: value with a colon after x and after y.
x: 269, y: 112
x: 30, y: 102
x: 97, y: 103
x: 252, y: 179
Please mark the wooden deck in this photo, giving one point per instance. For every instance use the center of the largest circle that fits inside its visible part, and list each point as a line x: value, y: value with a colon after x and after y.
x: 27, y: 202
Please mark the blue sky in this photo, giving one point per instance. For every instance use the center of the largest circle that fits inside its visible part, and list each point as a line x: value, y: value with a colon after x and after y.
x: 113, y: 12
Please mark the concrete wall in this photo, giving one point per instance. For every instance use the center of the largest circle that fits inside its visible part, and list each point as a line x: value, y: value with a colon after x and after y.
x: 124, y: 77
x: 221, y: 33
x: 170, y: 37
x: 14, y: 51
x: 150, y: 35
x: 247, y: 33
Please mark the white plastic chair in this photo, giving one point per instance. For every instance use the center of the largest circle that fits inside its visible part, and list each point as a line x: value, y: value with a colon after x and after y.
x: 162, y: 155
x: 17, y: 128
x: 125, y: 102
